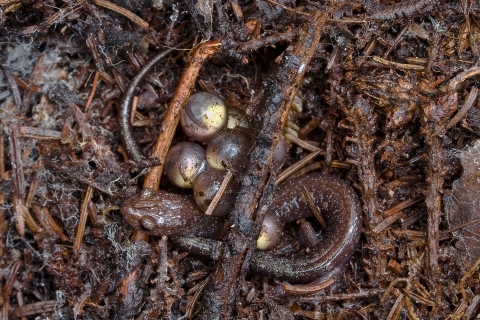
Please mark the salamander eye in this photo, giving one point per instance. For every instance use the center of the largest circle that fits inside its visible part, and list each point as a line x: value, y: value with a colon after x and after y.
x: 206, y: 186
x: 270, y: 233
x: 184, y: 162
x: 147, y: 223
x: 228, y: 150
x: 203, y: 116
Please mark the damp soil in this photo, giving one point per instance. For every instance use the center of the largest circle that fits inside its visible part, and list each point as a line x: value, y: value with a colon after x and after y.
x: 385, y: 94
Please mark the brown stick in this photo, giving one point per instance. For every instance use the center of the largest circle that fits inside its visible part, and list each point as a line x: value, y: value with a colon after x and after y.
x: 7, y: 290
x: 306, y: 289
x: 130, y: 15
x: 18, y: 181
x: 170, y: 122
x: 83, y: 220
x: 245, y: 220
x: 92, y: 92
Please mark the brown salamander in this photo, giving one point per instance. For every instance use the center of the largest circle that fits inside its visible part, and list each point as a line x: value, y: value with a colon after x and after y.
x: 162, y: 213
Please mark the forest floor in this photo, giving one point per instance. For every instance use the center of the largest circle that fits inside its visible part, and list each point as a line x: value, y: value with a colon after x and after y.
x: 388, y: 97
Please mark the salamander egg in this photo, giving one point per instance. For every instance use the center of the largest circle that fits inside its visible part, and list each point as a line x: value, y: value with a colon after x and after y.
x: 228, y: 150
x: 270, y: 234
x: 206, y: 186
x: 203, y: 116
x: 184, y: 162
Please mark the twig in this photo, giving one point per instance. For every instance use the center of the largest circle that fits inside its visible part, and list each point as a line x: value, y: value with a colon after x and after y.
x: 396, y: 308
x: 13, y: 85
x: 83, y: 220
x: 315, y: 210
x: 172, y: 117
x: 78, y: 308
x: 255, y: 44
x: 20, y: 302
x: 37, y: 71
x: 162, y: 264
x: 468, y: 274
x: 397, y: 65
x: 35, y: 308
x: 92, y: 92
x: 463, y: 225
x: 33, y: 189
x: 400, y: 206
x: 305, y: 145
x: 459, y: 78
x: 287, y: 8
x: 219, y: 195
x: 37, y: 210
x: 39, y: 133
x: 469, y: 313
x: 22, y: 84
x: 342, y: 296
x: 387, y: 222
x: 30, y: 222
x: 130, y: 15
x: 196, y: 296
x: 306, y: 289
x: 306, y: 129
x: 7, y: 289
x: 282, y: 176
x: 464, y: 109
x: 18, y: 181
x: 418, y: 298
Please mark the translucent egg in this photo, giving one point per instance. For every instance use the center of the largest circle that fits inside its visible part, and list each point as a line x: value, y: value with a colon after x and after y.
x: 184, y: 162
x: 270, y: 233
x: 203, y: 116
x: 228, y: 150
x: 206, y: 186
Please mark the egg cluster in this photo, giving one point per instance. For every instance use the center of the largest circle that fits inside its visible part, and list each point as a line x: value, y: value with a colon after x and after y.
x: 206, y: 119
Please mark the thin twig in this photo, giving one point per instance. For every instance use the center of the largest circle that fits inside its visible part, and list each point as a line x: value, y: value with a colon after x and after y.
x: 306, y: 289
x: 34, y: 308
x: 468, y: 274
x: 39, y: 133
x: 296, y: 166
x: 13, y: 85
x: 305, y: 145
x: 459, y: 78
x: 387, y: 222
x: 83, y: 220
x: 7, y: 289
x: 400, y: 206
x: 464, y: 109
x: 315, y: 210
x: 130, y: 15
x: 219, y: 195
x: 397, y: 65
x: 92, y: 92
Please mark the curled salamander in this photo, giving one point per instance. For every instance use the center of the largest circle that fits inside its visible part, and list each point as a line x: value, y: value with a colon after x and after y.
x: 161, y: 213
